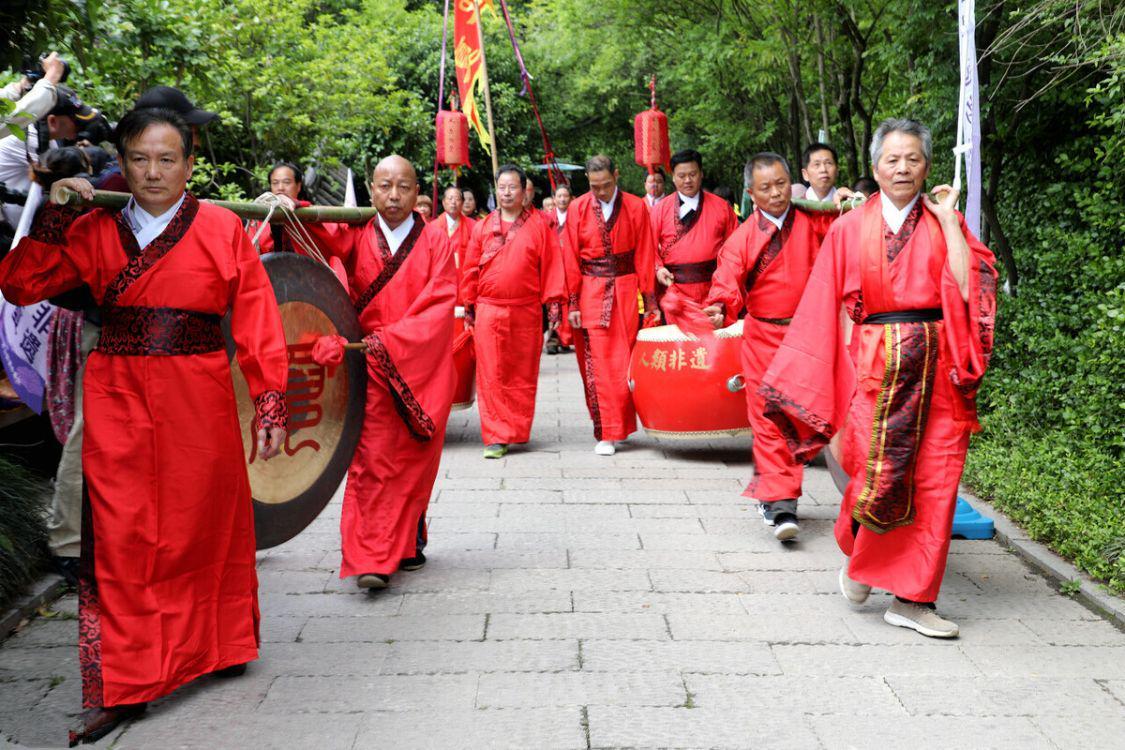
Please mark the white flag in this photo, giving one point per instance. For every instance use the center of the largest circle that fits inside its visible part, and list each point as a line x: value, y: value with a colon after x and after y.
x: 349, y: 190
x: 968, y: 116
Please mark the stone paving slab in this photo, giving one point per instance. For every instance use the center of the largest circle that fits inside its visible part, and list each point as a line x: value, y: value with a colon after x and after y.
x: 577, y: 601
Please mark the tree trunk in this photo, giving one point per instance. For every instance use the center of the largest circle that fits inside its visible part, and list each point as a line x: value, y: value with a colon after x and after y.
x: 820, y: 76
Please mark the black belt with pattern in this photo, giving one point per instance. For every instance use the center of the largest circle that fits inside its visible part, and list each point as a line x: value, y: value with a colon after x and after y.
x: 159, y: 331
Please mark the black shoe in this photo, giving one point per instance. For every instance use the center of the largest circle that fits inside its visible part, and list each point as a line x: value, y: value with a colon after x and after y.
x: 234, y: 670
x: 67, y: 567
x: 785, y: 527
x: 413, y: 563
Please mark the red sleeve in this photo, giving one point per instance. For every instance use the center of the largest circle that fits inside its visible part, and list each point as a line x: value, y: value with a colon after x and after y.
x: 256, y: 323
x: 57, y: 255
x: 470, y: 267
x: 969, y: 327
x: 571, y: 255
x: 727, y: 283
x: 552, y: 276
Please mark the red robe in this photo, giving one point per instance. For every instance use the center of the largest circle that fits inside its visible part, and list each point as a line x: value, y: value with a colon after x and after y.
x: 765, y: 271
x: 607, y: 264
x: 459, y: 240
x: 689, y: 248
x: 510, y: 271
x: 268, y: 241
x: 168, y: 590
x: 906, y: 457
x: 564, y: 332
x: 405, y: 306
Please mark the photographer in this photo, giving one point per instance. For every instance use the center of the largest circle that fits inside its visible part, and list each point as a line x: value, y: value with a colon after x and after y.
x: 34, y: 98
x: 61, y: 126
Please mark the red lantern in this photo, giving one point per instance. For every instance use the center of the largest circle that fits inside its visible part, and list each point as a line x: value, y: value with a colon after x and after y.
x: 650, y: 136
x: 452, y: 138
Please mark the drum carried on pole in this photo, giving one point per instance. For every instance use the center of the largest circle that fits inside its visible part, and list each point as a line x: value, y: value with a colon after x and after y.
x: 685, y: 389
x: 325, y: 403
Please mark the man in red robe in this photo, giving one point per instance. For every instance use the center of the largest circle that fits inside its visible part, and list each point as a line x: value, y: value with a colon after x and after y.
x: 459, y: 228
x: 689, y: 226
x: 513, y: 267
x: 167, y: 587
x: 922, y: 293
x: 403, y: 283
x: 763, y: 267
x: 562, y: 338
x: 610, y: 257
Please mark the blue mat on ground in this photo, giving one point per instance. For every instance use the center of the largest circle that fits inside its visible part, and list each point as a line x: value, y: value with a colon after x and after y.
x: 968, y: 524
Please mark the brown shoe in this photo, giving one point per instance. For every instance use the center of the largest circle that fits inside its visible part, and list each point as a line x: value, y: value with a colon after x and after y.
x: 95, y: 723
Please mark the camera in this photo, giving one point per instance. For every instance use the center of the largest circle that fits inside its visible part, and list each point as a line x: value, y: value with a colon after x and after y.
x: 33, y: 69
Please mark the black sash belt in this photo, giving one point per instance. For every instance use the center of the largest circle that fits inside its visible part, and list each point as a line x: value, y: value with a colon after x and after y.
x: 775, y: 321
x: 159, y: 331
x: 692, y: 273
x: 926, y: 315
x: 606, y: 267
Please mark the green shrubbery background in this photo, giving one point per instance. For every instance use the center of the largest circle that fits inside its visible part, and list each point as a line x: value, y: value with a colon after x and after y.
x: 1052, y: 452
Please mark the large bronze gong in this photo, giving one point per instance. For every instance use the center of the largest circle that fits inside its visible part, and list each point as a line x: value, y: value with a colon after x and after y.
x: 325, y: 403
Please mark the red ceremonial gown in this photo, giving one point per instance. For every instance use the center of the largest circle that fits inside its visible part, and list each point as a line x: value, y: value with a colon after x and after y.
x: 511, y: 270
x: 903, y: 391
x: 564, y: 332
x: 688, y: 247
x: 764, y: 270
x: 168, y: 590
x: 405, y: 306
x: 607, y: 263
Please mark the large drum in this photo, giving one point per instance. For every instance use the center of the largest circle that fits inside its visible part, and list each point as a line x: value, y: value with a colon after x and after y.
x: 464, y: 362
x: 325, y: 403
x: 683, y: 388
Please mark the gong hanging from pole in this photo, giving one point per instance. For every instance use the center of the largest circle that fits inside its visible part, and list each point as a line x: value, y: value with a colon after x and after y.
x: 325, y: 403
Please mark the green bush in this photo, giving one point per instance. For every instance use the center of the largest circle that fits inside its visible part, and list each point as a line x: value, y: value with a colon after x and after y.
x: 1053, y: 451
x: 23, y: 534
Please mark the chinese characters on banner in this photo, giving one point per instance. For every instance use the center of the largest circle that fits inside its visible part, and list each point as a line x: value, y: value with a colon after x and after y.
x: 24, y: 330
x: 467, y: 58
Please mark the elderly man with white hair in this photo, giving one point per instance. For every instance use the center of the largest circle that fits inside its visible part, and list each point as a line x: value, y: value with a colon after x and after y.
x: 921, y: 290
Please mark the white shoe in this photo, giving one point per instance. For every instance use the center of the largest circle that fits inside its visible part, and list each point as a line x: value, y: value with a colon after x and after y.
x: 854, y: 591
x: 605, y: 448
x: 921, y: 618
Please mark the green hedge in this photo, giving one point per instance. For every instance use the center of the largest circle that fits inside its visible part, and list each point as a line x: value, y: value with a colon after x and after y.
x: 1053, y: 451
x: 23, y: 534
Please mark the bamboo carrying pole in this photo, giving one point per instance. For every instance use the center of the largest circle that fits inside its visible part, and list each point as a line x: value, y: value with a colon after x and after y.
x: 254, y: 211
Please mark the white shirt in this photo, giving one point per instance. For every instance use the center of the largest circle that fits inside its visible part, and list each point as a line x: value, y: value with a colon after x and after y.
x: 688, y: 204
x: 811, y: 195
x: 777, y: 221
x: 652, y: 200
x: 561, y: 216
x: 893, y: 216
x: 607, y: 208
x: 395, y: 237
x: 451, y: 223
x: 145, y: 226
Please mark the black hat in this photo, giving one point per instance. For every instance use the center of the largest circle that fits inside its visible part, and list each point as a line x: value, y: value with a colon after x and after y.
x: 166, y: 97
x: 67, y: 104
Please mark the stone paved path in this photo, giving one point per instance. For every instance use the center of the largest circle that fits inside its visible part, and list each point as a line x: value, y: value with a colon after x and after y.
x: 575, y: 601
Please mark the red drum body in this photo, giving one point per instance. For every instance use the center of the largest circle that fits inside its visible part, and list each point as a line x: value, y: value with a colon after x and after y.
x: 682, y: 387
x: 464, y: 362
